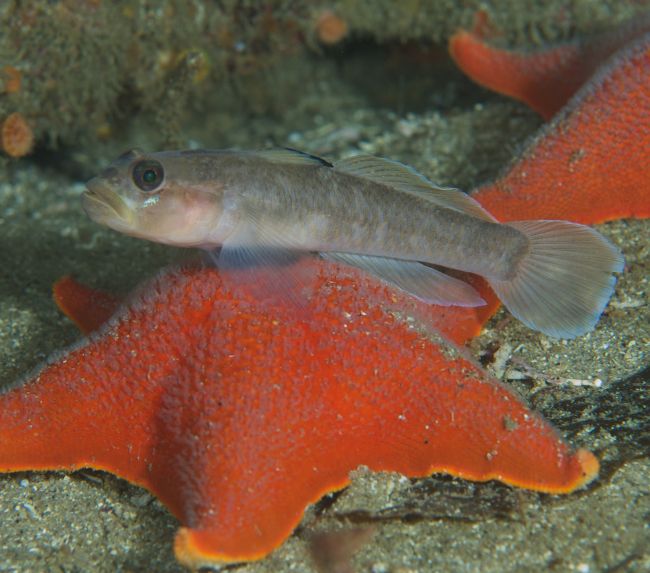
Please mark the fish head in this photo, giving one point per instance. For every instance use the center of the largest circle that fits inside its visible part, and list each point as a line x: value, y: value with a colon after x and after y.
x: 157, y: 196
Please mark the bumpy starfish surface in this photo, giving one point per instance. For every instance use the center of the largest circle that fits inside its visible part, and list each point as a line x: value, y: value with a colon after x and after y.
x: 238, y: 414
x: 591, y: 163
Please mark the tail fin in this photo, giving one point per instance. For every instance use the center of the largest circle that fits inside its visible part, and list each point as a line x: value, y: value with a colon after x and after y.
x: 565, y: 280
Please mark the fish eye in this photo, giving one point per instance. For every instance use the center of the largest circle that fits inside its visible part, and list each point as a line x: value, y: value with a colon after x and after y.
x: 148, y: 175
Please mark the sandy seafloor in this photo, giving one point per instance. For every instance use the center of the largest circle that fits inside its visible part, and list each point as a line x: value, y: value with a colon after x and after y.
x: 94, y: 522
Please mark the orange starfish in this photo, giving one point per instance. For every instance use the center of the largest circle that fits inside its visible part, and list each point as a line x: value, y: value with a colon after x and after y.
x: 590, y: 163
x: 545, y: 79
x: 237, y: 415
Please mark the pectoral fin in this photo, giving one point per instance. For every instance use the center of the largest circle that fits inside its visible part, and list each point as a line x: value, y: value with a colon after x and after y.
x: 263, y: 264
x: 248, y: 257
x: 419, y: 280
x: 274, y: 275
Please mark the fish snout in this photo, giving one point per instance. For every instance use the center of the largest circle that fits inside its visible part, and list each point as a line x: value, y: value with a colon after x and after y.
x: 103, y: 205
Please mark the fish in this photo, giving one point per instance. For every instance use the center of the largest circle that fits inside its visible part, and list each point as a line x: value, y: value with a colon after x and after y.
x: 266, y: 209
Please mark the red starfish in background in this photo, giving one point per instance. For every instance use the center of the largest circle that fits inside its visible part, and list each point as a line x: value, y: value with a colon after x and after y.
x: 544, y: 79
x: 591, y: 163
x: 238, y: 415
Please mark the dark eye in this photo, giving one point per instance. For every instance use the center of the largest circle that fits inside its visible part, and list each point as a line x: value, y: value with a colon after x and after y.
x: 148, y: 175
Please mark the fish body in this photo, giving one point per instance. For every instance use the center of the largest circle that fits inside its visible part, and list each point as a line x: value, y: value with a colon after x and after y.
x: 319, y: 208
x: 266, y: 208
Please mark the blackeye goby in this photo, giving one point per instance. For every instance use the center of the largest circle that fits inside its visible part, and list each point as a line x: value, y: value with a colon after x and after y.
x: 267, y: 208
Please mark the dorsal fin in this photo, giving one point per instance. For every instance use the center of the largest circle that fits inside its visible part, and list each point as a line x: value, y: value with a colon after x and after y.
x: 292, y: 156
x: 408, y: 180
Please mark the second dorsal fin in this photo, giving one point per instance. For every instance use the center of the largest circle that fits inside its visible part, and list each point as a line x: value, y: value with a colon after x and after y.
x: 408, y: 180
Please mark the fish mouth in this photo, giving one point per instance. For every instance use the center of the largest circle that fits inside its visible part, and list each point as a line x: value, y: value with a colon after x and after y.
x: 103, y: 205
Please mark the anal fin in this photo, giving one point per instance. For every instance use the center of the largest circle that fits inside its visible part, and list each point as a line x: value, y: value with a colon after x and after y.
x: 417, y: 279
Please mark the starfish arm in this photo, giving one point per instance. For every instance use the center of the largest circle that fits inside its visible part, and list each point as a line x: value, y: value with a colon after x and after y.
x: 91, y: 406
x: 410, y: 418
x: 71, y: 415
x: 589, y: 164
x: 87, y: 308
x: 278, y: 409
x: 544, y: 80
